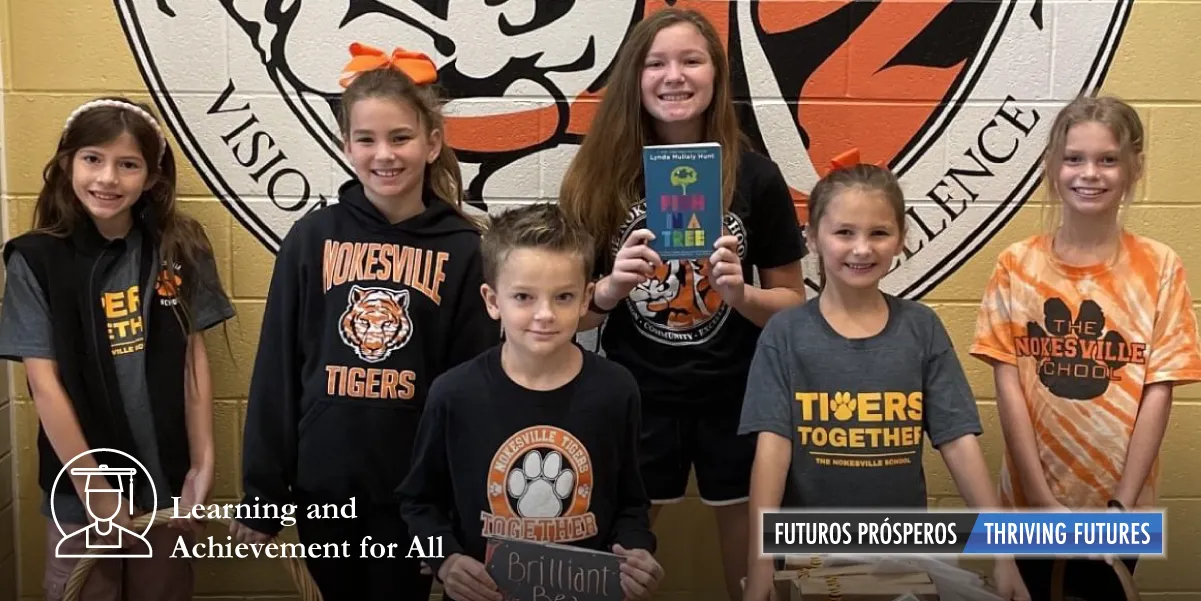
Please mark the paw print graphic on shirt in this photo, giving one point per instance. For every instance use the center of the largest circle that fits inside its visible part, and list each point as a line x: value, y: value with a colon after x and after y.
x: 1079, y: 376
x: 540, y: 485
x: 843, y: 406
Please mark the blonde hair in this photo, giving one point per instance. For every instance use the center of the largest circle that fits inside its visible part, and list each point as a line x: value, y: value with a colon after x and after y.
x: 539, y: 226
x: 443, y: 176
x: 609, y: 157
x: 1127, y: 129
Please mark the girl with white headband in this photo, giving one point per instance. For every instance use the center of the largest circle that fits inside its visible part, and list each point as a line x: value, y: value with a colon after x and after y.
x: 105, y: 303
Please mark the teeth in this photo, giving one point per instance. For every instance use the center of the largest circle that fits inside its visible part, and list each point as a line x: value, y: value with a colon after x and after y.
x: 1090, y: 191
x: 860, y: 266
x: 386, y: 173
x: 106, y: 196
x: 674, y: 97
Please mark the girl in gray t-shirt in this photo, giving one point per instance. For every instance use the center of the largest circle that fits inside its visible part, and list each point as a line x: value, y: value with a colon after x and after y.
x: 105, y: 304
x: 844, y: 389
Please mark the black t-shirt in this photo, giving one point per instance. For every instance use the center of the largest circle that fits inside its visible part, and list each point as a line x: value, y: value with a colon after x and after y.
x: 685, y: 346
x: 493, y: 457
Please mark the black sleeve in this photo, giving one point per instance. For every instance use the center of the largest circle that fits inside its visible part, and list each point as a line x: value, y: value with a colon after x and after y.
x: 632, y: 526
x: 273, y: 407
x: 777, y: 238
x: 426, y: 494
x: 472, y: 330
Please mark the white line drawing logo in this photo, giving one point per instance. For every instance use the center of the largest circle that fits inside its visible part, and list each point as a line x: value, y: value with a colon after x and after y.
x: 104, y: 533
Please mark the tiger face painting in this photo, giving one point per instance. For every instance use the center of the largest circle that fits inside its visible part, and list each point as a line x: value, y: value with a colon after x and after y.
x: 376, y: 322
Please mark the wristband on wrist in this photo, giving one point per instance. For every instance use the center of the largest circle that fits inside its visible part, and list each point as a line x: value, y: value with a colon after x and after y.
x: 1116, y: 504
x: 595, y: 308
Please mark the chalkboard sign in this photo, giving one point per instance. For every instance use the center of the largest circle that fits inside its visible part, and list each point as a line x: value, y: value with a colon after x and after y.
x: 527, y: 570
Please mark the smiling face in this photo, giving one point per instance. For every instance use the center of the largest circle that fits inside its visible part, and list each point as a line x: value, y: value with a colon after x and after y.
x: 857, y: 237
x: 677, y: 79
x: 108, y: 179
x: 389, y: 148
x: 539, y: 298
x: 1091, y: 181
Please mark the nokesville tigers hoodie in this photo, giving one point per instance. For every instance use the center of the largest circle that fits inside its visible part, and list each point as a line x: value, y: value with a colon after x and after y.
x: 361, y: 316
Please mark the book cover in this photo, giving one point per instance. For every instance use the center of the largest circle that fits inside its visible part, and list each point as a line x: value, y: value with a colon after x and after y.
x: 683, y: 199
x: 525, y: 570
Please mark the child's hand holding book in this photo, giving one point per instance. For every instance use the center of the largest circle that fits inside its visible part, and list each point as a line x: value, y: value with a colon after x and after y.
x: 634, y: 264
x: 727, y: 276
x: 640, y: 573
x: 465, y: 578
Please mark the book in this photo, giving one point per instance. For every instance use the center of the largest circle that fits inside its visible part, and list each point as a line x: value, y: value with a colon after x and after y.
x: 526, y: 570
x: 683, y: 199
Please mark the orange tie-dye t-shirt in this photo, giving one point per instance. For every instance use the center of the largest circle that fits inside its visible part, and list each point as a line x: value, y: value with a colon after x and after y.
x: 1086, y: 342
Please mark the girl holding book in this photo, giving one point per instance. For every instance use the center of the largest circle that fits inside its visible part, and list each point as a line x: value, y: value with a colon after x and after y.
x: 686, y: 329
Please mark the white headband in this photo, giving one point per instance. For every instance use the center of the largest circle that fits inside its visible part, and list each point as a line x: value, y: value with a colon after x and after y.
x: 87, y: 106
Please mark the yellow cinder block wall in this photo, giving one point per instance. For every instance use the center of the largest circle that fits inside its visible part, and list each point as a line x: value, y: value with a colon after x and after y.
x: 59, y: 53
x: 8, y: 492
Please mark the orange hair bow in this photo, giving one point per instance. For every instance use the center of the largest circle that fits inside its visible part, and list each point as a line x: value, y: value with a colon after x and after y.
x: 848, y: 158
x: 416, y: 65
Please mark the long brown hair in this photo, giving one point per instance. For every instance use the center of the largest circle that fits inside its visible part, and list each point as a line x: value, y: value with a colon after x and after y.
x: 603, y: 179
x: 58, y: 212
x: 1127, y: 129
x: 443, y: 176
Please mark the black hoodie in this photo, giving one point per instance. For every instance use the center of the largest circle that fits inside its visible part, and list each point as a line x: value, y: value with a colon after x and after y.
x: 361, y: 316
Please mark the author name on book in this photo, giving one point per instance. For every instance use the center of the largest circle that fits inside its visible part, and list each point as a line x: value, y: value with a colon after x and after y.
x: 678, y: 155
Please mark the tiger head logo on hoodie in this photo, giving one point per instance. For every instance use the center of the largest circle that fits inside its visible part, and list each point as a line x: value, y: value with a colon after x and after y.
x: 376, y: 322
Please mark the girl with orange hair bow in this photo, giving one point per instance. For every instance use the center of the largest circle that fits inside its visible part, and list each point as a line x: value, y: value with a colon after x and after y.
x: 371, y: 299
x: 844, y: 390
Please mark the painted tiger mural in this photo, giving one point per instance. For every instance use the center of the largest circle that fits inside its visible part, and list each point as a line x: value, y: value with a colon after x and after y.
x: 376, y: 322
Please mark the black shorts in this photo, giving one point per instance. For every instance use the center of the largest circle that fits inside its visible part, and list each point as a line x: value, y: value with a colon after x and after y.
x: 671, y: 446
x: 1089, y: 580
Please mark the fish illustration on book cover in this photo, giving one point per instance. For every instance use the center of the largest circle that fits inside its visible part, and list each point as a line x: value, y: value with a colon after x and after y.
x: 683, y: 198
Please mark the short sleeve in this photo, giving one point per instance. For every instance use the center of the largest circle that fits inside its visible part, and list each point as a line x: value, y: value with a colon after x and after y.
x: 767, y: 405
x: 1174, y: 354
x: 777, y: 237
x: 949, y: 406
x: 25, y: 326
x: 207, y: 301
x: 994, y: 337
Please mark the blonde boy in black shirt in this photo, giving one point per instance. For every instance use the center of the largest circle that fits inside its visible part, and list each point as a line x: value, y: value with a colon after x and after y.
x: 535, y: 438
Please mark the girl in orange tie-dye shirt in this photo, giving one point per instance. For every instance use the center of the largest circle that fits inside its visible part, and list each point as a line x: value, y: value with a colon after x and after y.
x: 1088, y: 329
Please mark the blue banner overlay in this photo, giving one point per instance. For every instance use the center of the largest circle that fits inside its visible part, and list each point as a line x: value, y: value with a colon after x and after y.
x: 1108, y: 533
x: 964, y: 533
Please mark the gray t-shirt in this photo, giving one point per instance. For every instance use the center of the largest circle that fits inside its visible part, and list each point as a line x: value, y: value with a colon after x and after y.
x: 856, y: 409
x: 25, y: 331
